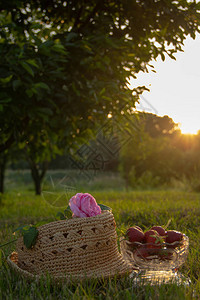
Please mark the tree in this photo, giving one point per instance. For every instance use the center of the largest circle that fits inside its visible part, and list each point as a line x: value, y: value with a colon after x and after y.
x: 66, y: 64
x: 152, y: 155
x: 38, y: 152
x: 157, y: 126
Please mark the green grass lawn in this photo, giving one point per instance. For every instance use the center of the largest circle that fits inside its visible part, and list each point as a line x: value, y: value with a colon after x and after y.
x: 143, y: 208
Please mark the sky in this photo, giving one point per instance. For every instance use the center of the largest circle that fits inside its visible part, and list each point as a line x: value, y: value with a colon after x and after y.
x: 175, y: 87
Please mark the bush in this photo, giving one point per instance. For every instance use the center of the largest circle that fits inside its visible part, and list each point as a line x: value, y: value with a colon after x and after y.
x: 146, y: 180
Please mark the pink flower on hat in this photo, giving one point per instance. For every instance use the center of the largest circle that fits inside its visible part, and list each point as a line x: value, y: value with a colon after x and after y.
x: 84, y: 205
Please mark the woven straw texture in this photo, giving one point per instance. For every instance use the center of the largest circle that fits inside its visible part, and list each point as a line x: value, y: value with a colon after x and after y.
x: 73, y: 249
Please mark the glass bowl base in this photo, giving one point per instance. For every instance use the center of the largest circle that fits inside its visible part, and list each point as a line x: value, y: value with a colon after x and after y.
x: 151, y: 277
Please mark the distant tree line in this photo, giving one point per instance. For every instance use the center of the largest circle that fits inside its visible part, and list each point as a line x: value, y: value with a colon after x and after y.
x: 156, y: 154
x: 159, y: 153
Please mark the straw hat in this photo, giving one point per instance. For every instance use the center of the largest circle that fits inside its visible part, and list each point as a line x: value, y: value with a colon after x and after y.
x: 74, y: 249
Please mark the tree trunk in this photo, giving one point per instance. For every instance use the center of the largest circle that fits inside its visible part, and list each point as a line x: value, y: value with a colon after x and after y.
x: 38, y: 175
x: 36, y: 179
x: 3, y: 161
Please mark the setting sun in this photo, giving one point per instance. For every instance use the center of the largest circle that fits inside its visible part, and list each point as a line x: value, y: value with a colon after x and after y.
x: 188, y: 123
x: 189, y: 128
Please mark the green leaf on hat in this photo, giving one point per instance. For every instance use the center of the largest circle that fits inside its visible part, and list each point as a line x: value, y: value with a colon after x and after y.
x: 60, y: 215
x: 68, y: 212
x: 104, y: 207
x: 29, y: 233
x: 22, y: 228
x: 30, y: 237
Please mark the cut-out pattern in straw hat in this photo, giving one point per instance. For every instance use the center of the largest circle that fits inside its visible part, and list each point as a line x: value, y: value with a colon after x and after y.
x: 74, y: 249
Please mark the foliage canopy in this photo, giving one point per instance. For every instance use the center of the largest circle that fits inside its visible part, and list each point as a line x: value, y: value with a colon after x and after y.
x: 65, y: 65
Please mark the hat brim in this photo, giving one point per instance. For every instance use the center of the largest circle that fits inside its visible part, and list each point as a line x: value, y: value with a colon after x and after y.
x: 121, y: 268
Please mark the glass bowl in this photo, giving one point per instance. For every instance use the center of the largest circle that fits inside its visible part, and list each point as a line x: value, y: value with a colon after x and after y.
x: 148, y: 257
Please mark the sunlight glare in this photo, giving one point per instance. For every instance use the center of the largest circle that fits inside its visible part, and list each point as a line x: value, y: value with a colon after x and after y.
x: 189, y: 128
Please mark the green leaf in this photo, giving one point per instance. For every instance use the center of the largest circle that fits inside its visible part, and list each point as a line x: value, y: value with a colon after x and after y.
x: 61, y: 216
x: 32, y: 62
x: 27, y: 68
x: 6, y: 79
x: 29, y: 233
x: 40, y: 223
x: 42, y: 85
x: 59, y: 48
x: 102, y: 91
x: 16, y: 83
x: 6, y: 100
x: 22, y: 228
x: 104, y: 207
x: 30, y: 237
x: 68, y: 212
x: 19, y: 228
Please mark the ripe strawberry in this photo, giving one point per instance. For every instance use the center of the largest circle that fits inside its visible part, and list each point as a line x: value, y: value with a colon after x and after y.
x: 148, y: 233
x: 173, y: 236
x: 153, y: 239
x: 161, y: 231
x: 135, y: 235
x: 139, y: 228
x: 142, y: 251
